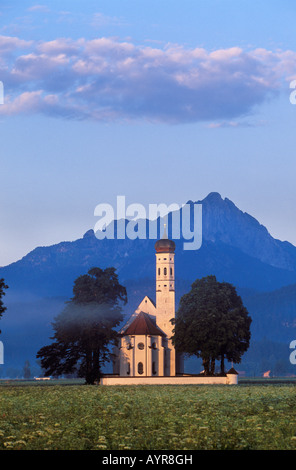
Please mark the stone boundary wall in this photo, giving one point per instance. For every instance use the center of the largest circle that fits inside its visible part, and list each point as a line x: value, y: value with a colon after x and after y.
x: 229, y: 379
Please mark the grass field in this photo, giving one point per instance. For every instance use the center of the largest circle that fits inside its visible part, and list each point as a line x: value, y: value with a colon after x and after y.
x: 54, y: 415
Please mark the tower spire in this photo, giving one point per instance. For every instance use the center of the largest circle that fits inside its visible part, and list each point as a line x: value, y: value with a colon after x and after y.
x: 165, y: 235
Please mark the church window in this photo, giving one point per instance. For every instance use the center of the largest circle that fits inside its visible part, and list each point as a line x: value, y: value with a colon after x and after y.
x: 141, y: 345
x: 165, y: 271
x: 171, y: 270
x: 140, y: 368
x: 128, y: 368
x: 159, y: 271
x: 153, y: 368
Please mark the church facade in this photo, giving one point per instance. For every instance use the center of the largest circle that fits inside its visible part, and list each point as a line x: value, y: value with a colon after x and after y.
x: 145, y: 354
x: 145, y: 346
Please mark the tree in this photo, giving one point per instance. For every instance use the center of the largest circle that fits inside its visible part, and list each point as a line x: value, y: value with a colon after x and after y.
x: 85, y: 328
x: 212, y: 323
x: 27, y: 370
x: 2, y: 293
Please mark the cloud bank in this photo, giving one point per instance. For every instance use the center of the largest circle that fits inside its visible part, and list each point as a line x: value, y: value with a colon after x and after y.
x: 106, y: 79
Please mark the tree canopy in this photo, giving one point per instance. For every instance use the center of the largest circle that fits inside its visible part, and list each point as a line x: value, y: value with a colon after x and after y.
x: 100, y: 286
x: 212, y: 323
x: 85, y: 328
x: 3, y: 286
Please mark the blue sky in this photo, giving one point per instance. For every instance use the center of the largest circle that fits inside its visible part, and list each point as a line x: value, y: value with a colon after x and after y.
x: 160, y: 101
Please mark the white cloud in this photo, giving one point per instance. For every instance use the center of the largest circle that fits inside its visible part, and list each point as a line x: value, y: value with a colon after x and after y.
x: 41, y: 8
x: 58, y: 46
x: 23, y: 103
x: 99, y: 20
x: 105, y: 79
x: 226, y: 54
x: 9, y: 44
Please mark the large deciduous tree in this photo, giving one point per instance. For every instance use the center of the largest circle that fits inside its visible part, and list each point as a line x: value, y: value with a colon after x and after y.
x: 3, y: 286
x: 212, y: 323
x: 85, y: 328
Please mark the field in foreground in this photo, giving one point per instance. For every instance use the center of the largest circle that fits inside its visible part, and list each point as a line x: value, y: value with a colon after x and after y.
x: 80, y: 417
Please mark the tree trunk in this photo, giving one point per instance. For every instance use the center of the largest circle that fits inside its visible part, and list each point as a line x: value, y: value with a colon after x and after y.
x: 222, y: 364
x: 93, y: 370
x: 212, y: 366
x: 88, y: 368
x: 206, y: 364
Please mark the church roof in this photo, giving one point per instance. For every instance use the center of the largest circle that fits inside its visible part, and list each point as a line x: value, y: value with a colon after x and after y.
x: 143, y: 325
x: 165, y: 246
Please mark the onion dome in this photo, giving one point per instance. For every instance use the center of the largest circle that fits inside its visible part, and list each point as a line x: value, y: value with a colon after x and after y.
x: 164, y: 245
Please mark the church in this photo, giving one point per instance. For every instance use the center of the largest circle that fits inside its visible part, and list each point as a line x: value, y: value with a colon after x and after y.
x: 145, y: 345
x: 145, y: 353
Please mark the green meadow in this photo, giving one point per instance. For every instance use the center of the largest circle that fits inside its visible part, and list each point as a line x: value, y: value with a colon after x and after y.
x: 72, y: 416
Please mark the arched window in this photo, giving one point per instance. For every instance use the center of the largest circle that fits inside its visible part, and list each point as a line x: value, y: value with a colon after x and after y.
x: 171, y: 270
x: 128, y: 368
x: 153, y: 368
x: 165, y: 271
x: 140, y: 368
x: 159, y: 271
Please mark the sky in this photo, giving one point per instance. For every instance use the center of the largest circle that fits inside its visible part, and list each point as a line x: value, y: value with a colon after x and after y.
x: 161, y: 101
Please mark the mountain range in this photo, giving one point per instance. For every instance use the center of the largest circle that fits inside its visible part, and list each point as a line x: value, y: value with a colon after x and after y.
x: 235, y: 248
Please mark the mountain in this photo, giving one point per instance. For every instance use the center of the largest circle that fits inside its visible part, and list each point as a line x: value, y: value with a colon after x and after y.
x: 235, y: 247
x: 224, y: 223
x: 274, y: 313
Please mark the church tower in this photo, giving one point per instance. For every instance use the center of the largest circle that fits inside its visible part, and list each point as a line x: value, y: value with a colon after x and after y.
x: 165, y: 295
x: 146, y: 347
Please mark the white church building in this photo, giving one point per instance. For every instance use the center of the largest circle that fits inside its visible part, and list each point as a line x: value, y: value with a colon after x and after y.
x: 145, y: 353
